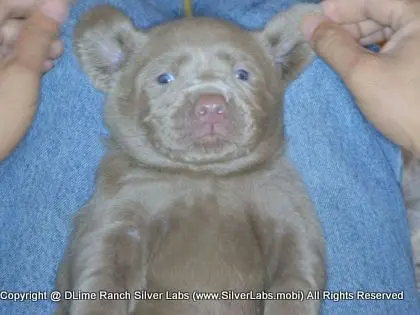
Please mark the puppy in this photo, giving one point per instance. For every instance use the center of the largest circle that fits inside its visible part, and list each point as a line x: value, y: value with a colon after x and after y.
x: 195, y: 195
x: 411, y: 191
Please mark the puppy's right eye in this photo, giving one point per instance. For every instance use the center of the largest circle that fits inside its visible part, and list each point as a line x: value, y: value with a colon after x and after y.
x: 165, y: 78
x: 242, y: 74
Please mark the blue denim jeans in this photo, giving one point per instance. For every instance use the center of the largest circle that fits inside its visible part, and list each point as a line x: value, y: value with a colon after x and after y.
x: 351, y: 171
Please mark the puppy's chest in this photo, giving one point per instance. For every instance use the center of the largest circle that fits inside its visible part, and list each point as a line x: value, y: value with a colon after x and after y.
x: 206, y: 223
x: 158, y: 196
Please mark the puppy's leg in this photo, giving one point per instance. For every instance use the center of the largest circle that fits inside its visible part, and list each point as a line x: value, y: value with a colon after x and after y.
x: 63, y: 283
x: 106, y: 254
x: 298, y: 268
x: 292, y: 243
x: 415, y: 239
x: 411, y: 191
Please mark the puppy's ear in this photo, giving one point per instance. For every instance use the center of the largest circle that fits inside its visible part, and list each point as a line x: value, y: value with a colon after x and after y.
x: 284, y: 40
x: 105, y: 39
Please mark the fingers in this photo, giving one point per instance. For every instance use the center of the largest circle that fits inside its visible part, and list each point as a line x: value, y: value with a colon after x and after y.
x: 362, y: 29
x: 338, y: 48
x: 56, y: 49
x: 10, y: 31
x: 368, y: 32
x: 47, y: 66
x: 39, y: 31
x: 377, y: 37
x: 15, y: 9
x: 393, y: 13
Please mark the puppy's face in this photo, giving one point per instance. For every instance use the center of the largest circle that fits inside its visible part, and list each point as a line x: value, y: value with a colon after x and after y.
x: 202, y: 97
x: 196, y: 93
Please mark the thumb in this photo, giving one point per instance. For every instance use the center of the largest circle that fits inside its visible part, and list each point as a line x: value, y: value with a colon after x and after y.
x: 40, y: 29
x: 337, y: 47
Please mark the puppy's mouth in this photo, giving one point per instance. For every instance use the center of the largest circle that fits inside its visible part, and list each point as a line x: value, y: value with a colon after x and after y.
x: 210, y: 133
x: 207, y: 126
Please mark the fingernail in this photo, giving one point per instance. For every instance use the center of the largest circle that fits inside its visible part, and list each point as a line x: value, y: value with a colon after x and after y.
x: 55, y: 9
x: 310, y: 23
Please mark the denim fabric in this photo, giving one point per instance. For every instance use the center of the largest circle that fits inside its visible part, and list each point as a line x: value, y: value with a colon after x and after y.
x: 353, y: 174
x: 351, y: 171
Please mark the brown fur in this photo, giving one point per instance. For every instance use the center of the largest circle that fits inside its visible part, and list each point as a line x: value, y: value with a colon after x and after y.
x: 171, y: 215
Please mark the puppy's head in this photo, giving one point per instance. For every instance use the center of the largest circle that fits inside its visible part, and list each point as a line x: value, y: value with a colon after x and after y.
x: 198, y: 93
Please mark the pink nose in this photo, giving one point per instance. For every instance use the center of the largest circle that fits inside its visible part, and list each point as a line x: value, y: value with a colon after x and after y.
x: 210, y: 108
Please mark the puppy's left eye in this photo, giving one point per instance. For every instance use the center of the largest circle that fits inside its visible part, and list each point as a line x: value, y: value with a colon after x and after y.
x: 242, y: 74
x: 165, y: 78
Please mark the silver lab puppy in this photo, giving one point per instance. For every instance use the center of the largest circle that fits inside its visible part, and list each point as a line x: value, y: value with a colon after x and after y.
x: 195, y: 194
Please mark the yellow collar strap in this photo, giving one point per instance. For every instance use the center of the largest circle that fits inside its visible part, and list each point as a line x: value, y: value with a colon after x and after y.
x: 188, y: 8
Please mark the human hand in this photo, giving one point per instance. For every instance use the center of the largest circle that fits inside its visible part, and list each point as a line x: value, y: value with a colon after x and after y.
x: 386, y: 85
x: 20, y: 73
x: 13, y: 14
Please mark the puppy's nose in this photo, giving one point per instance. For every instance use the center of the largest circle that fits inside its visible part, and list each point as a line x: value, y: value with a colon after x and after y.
x: 210, y: 108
